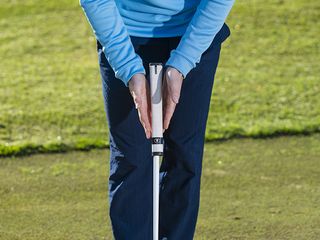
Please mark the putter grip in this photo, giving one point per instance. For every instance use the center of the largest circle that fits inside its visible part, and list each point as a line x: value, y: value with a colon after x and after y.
x: 155, y: 70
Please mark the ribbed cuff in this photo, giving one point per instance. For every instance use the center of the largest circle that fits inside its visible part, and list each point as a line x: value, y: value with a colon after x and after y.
x: 179, y: 62
x: 142, y: 70
x: 129, y: 70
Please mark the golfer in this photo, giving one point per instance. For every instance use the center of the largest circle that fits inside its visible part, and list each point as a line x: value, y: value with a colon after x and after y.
x: 186, y: 36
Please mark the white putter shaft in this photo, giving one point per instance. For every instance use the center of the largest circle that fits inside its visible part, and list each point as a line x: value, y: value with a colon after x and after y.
x: 157, y: 137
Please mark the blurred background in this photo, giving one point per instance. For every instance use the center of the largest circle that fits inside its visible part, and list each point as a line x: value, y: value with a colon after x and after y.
x: 263, y: 183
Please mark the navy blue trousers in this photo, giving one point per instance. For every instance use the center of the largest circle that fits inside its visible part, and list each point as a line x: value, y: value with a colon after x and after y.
x: 130, y: 179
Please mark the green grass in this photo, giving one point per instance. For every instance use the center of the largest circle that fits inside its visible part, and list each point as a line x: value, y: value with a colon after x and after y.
x: 50, y: 89
x: 251, y: 189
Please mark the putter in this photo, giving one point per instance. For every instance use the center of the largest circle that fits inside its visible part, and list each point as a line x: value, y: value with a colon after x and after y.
x: 155, y: 70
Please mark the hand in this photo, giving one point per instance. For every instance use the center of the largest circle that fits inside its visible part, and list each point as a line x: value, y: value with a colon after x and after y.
x: 140, y: 91
x: 171, y: 89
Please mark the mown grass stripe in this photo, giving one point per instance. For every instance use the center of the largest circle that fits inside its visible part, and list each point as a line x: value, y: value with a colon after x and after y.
x: 88, y: 144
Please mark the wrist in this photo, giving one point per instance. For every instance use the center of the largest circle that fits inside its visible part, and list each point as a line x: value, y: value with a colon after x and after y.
x: 179, y: 73
x: 175, y: 70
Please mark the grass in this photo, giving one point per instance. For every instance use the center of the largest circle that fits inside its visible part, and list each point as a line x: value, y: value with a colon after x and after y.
x: 50, y: 89
x: 251, y: 189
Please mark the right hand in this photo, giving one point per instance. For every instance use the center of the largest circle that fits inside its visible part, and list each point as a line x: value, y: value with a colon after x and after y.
x: 140, y: 91
x: 172, y: 84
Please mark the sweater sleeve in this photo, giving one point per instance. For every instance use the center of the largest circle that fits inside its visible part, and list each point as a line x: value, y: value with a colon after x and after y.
x: 108, y: 27
x: 204, y: 25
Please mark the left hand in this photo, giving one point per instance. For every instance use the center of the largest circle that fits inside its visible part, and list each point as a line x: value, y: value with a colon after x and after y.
x: 171, y: 88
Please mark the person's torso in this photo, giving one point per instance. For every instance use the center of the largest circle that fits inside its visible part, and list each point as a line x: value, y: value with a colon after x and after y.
x: 157, y: 18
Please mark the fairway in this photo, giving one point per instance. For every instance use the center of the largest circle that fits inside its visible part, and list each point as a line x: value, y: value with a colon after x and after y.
x: 261, y: 166
x: 251, y: 189
x: 267, y: 81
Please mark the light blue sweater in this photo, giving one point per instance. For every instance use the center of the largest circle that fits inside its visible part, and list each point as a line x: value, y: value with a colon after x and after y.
x: 112, y: 21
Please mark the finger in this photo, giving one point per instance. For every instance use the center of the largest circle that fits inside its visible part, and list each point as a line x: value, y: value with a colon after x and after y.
x: 137, y: 100
x: 143, y: 123
x: 164, y: 103
x: 145, y: 119
x: 147, y: 101
x: 175, y: 97
x: 149, y: 104
x: 164, y: 100
x: 174, y: 93
x: 169, y: 110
